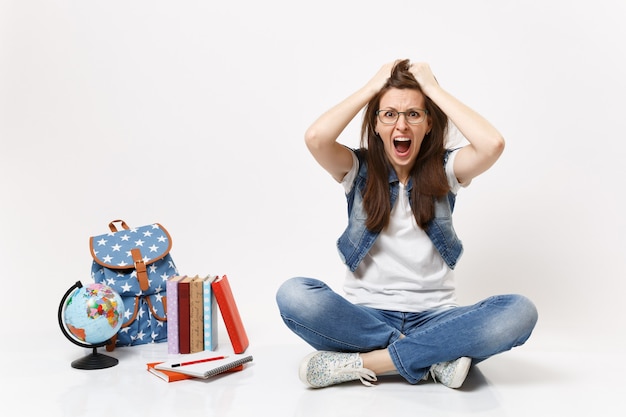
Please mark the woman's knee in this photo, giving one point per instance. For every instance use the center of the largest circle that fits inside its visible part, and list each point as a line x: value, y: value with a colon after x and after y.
x: 518, y: 321
x: 525, y: 310
x: 293, y: 292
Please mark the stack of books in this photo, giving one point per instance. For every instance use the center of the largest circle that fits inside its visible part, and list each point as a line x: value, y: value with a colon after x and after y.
x: 192, y: 329
x: 192, y: 314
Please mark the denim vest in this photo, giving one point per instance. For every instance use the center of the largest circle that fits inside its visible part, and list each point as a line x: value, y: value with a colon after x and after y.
x: 357, y: 240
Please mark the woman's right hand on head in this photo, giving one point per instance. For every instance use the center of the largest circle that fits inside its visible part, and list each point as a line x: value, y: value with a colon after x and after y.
x: 380, y: 79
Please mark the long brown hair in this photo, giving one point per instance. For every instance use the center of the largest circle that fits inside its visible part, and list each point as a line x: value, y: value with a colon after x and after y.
x: 427, y: 174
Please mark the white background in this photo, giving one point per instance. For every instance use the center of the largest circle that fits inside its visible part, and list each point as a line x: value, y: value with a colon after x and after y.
x: 192, y: 114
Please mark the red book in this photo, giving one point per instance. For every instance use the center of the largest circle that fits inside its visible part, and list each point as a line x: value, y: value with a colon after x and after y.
x: 168, y: 376
x: 230, y: 314
x: 184, y: 312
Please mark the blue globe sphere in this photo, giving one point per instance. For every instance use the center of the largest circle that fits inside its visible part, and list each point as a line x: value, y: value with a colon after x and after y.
x: 93, y: 313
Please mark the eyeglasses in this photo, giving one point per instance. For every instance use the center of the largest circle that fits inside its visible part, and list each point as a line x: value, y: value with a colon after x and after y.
x: 413, y: 116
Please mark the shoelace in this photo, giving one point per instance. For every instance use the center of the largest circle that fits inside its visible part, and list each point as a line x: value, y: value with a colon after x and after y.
x: 366, y: 376
x: 432, y: 374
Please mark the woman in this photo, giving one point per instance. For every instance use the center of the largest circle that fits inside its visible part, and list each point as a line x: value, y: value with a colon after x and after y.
x: 399, y: 313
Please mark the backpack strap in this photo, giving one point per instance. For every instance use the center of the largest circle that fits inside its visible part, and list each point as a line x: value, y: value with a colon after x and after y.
x: 140, y: 268
x: 110, y: 347
x: 121, y: 222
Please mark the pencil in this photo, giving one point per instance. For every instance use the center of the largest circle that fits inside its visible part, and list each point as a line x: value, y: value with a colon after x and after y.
x: 176, y: 365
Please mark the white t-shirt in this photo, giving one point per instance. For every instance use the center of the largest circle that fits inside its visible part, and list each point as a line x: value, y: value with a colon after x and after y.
x: 403, y: 270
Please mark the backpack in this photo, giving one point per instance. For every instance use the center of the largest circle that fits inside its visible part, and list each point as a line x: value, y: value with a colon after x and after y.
x: 136, y: 263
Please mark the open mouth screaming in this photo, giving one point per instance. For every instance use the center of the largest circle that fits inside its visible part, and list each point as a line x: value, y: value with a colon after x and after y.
x: 402, y: 145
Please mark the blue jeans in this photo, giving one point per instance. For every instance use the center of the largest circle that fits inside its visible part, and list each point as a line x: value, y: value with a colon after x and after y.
x: 327, y: 321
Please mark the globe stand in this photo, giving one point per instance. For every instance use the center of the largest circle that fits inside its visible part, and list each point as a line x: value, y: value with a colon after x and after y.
x: 94, y: 360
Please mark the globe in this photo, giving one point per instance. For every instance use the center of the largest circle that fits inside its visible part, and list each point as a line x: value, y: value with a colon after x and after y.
x: 90, y: 316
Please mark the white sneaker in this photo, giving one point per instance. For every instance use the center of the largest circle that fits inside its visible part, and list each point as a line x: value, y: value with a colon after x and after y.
x: 322, y: 368
x: 451, y: 374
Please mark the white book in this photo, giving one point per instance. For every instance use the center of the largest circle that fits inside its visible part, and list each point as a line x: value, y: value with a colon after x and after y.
x: 204, y: 364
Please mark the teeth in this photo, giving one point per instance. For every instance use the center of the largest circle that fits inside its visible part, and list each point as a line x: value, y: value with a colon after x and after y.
x: 402, y: 139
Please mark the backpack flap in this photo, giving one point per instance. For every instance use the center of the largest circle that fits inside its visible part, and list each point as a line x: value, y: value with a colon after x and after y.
x: 132, y: 249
